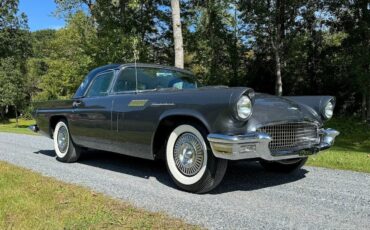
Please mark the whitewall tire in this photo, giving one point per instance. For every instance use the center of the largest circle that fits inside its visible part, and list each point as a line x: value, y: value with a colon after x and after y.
x: 65, y: 149
x: 190, y: 160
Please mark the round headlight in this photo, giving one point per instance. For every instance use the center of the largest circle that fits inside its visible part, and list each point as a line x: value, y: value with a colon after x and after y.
x: 328, y: 110
x: 244, y: 107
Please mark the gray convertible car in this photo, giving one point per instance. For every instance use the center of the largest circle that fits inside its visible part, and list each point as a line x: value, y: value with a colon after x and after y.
x: 159, y: 112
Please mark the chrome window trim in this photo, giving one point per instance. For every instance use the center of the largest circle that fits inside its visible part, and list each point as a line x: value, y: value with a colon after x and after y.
x: 93, y: 80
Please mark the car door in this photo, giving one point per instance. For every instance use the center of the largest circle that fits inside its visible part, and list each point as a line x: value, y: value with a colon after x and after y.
x: 133, y: 126
x: 92, y: 114
x: 141, y: 94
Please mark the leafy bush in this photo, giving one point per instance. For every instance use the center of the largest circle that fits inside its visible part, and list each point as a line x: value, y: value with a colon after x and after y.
x: 27, y: 113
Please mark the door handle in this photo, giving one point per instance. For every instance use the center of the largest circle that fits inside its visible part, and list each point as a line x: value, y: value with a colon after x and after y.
x: 76, y: 104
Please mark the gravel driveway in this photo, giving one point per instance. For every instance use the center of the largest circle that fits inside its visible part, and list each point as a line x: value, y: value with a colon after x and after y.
x: 248, y: 198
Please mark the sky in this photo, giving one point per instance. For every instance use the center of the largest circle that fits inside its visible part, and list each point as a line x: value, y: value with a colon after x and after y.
x: 40, y: 14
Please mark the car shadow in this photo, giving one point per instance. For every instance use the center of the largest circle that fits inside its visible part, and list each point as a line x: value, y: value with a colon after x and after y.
x: 122, y: 164
x: 240, y: 175
x: 250, y: 175
x: 49, y: 153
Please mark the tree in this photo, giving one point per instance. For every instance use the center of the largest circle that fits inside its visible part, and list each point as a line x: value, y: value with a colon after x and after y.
x: 214, y: 47
x: 67, y: 59
x: 177, y: 34
x: 271, y: 24
x: 67, y: 8
x: 119, y: 23
x: 15, y: 47
x: 312, y: 47
x: 353, y: 19
x: 14, y: 35
x: 12, y: 89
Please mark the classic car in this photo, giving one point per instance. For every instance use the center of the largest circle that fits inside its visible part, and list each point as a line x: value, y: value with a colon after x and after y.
x: 158, y: 112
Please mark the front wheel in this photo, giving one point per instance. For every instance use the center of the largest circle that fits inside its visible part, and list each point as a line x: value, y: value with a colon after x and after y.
x: 65, y: 149
x: 285, y: 166
x: 190, y: 160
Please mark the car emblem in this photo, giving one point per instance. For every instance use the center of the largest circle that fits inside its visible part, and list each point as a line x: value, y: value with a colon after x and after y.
x: 162, y: 104
x: 137, y: 103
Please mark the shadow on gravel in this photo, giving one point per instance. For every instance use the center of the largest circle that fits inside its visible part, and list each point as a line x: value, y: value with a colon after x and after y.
x: 50, y: 153
x: 240, y: 176
x: 249, y: 175
x: 127, y: 165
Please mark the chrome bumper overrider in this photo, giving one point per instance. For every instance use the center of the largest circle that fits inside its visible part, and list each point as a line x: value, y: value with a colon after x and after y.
x: 256, y: 145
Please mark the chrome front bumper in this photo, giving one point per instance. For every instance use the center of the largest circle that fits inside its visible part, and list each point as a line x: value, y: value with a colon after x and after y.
x: 256, y: 145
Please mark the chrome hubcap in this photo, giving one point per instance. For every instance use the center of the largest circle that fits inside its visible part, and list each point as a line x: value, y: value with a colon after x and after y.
x: 63, y: 139
x: 188, y: 154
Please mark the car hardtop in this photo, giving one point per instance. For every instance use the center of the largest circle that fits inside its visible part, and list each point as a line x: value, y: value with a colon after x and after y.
x: 93, y: 73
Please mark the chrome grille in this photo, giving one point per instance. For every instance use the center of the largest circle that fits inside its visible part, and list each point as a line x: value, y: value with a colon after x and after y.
x: 291, y: 136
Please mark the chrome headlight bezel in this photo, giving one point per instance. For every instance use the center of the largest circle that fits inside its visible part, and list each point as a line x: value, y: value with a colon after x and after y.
x: 328, y: 110
x: 244, y: 108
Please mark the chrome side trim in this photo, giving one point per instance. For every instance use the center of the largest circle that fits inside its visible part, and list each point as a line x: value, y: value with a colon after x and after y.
x: 249, y: 137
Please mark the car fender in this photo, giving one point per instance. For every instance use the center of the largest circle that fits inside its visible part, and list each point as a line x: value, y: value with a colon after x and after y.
x: 184, y: 112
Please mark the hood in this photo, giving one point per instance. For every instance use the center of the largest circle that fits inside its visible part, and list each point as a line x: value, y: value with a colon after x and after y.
x: 269, y: 109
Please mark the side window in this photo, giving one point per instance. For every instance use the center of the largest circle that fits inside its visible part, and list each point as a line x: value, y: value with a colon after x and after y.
x: 126, y: 81
x: 100, y: 85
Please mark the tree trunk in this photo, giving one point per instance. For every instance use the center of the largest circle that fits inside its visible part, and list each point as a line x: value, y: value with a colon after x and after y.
x: 278, y: 45
x: 311, y: 47
x: 2, y: 114
x: 16, y: 116
x: 235, y: 57
x: 90, y: 5
x: 368, y: 108
x: 279, y: 82
x: 363, y: 108
x: 177, y: 34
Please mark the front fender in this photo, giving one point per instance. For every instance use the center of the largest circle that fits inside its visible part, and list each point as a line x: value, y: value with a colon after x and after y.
x: 317, y: 103
x: 185, y: 112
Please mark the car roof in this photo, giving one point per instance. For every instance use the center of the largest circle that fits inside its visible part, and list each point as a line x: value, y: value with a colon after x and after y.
x: 101, y: 69
x: 147, y: 65
x: 155, y: 66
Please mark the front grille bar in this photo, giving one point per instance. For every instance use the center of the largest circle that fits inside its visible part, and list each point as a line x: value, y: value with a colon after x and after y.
x: 291, y: 136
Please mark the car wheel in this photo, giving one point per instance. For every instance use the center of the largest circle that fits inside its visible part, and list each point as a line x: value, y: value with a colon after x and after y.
x: 65, y: 149
x: 190, y: 160
x: 285, y: 166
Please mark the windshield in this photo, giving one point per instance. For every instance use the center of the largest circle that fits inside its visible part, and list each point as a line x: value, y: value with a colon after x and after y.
x: 153, y: 78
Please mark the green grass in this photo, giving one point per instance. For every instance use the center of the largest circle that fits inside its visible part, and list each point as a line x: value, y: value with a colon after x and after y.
x: 11, y: 126
x: 31, y: 201
x: 351, y: 150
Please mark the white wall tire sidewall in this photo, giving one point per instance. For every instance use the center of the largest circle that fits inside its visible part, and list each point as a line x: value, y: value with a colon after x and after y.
x: 55, y: 137
x: 171, y: 161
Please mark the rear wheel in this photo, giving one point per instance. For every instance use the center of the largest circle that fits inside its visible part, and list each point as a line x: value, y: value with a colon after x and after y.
x: 65, y: 149
x: 285, y: 166
x: 190, y: 160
